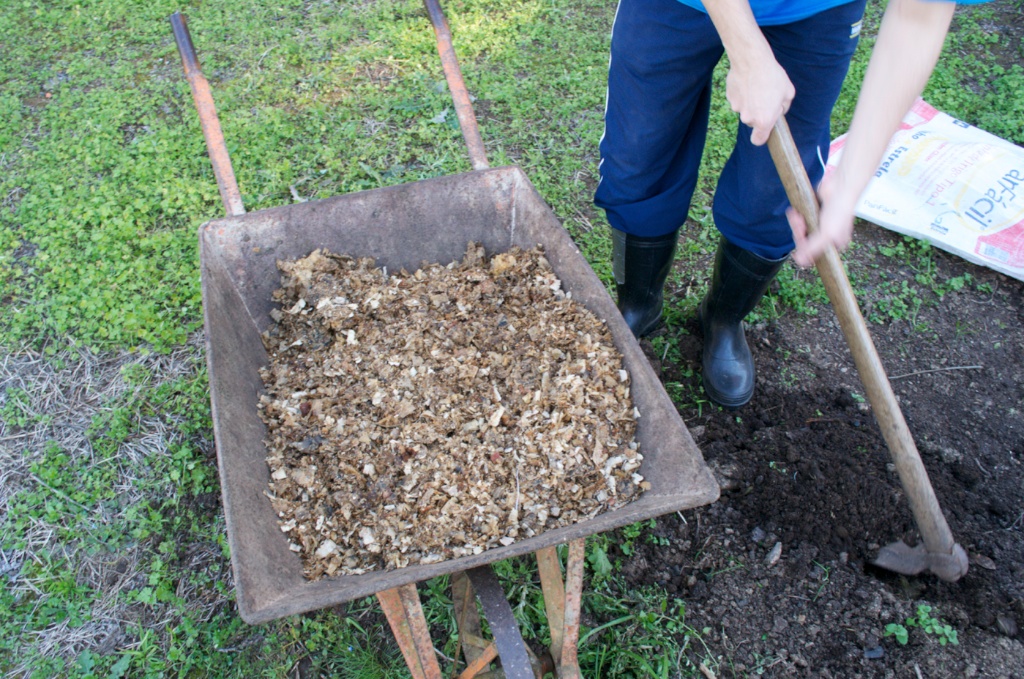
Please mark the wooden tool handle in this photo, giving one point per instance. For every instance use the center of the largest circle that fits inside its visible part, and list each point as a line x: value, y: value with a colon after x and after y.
x: 935, y: 531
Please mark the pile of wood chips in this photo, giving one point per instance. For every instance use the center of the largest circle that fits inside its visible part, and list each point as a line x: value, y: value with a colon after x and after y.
x: 419, y: 417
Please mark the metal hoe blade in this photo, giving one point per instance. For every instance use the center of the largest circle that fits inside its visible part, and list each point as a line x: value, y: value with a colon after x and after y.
x: 901, y: 558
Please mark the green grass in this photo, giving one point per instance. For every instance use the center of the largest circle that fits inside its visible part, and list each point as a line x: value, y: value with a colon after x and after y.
x: 105, y: 169
x: 115, y: 532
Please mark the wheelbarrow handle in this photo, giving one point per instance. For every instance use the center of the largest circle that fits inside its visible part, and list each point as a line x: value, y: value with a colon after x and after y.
x: 932, y: 524
x: 457, y: 86
x: 218, y: 150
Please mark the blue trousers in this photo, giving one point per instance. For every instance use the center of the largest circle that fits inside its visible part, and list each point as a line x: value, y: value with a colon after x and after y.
x: 659, y: 93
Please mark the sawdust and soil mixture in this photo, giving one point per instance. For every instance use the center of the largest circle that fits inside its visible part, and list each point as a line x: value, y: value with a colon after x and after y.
x: 776, y: 574
x: 419, y: 417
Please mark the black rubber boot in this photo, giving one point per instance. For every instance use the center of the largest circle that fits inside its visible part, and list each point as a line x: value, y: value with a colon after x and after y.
x: 740, y: 280
x: 641, y: 266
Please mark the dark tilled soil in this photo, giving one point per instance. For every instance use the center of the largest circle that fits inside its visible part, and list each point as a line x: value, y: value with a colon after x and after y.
x: 804, y: 466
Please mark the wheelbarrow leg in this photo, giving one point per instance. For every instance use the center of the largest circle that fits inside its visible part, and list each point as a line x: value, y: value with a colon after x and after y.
x: 562, y: 603
x: 551, y: 584
x: 550, y: 569
x: 467, y: 619
x: 405, y: 615
x: 568, y: 666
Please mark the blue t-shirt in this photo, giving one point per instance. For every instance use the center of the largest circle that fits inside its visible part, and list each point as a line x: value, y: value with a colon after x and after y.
x: 776, y: 12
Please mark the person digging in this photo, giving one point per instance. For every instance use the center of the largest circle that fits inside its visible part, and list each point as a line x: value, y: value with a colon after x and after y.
x: 785, y: 58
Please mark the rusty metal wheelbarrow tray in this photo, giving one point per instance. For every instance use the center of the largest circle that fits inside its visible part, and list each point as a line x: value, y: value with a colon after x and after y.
x: 429, y: 221
x: 401, y: 227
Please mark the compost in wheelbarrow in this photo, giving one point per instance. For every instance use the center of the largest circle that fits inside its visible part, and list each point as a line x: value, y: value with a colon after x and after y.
x: 401, y: 227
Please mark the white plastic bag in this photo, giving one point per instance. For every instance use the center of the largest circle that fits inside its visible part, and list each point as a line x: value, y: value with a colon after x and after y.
x: 947, y: 182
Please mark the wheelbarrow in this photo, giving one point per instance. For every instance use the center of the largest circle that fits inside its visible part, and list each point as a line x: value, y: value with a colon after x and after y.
x: 400, y: 227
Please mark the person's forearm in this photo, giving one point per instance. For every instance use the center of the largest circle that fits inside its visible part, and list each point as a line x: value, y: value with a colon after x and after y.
x: 757, y: 87
x: 908, y: 46
x: 739, y: 32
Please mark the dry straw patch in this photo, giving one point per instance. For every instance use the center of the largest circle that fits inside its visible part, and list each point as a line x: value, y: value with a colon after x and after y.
x: 50, y: 403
